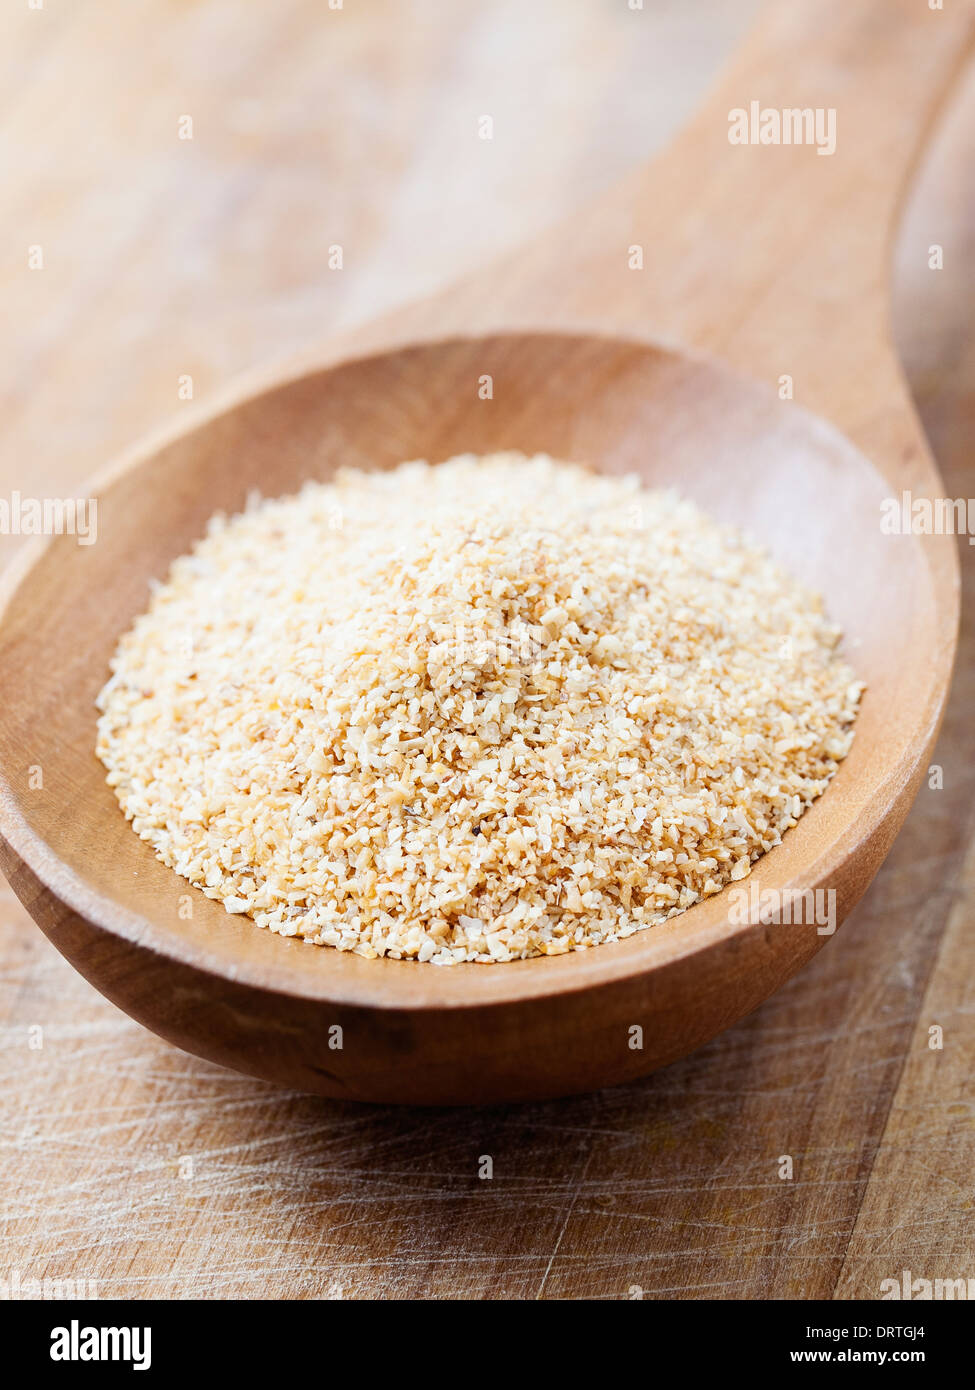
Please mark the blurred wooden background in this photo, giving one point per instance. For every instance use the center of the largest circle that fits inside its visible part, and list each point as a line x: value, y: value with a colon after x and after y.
x: 155, y: 1174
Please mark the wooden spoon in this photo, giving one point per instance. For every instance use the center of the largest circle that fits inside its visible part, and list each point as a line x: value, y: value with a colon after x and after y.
x: 770, y: 257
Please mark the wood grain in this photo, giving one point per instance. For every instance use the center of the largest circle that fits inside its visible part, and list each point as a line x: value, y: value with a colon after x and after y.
x: 670, y: 1184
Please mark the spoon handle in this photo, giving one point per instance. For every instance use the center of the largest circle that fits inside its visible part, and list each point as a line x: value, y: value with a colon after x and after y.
x: 773, y: 256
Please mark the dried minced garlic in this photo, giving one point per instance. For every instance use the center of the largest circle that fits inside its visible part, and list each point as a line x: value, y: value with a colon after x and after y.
x: 495, y: 708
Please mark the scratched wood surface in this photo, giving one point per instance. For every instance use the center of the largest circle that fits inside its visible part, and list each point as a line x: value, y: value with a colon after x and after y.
x: 155, y: 1174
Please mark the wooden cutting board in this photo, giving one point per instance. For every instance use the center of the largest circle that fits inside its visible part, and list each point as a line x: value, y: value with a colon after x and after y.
x: 164, y: 259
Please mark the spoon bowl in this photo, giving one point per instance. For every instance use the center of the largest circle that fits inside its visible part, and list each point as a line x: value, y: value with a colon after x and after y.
x: 600, y: 343
x: 221, y: 987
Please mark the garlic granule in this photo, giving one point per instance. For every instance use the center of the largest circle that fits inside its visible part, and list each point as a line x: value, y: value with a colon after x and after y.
x: 495, y: 708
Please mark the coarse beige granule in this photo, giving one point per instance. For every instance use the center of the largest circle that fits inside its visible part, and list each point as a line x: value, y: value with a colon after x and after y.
x: 494, y: 708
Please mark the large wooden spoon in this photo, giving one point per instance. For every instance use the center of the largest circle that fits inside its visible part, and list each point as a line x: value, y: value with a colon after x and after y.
x: 770, y: 257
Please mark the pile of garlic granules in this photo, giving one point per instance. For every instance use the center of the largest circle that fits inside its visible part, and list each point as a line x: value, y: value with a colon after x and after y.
x: 494, y: 708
